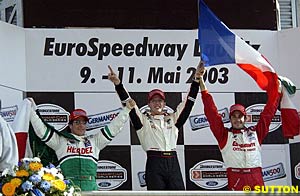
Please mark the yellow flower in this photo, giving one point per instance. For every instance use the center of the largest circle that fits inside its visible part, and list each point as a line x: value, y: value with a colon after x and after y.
x: 16, y: 182
x: 35, y: 166
x: 22, y: 173
x: 59, y: 184
x: 48, y: 177
x: 8, y: 189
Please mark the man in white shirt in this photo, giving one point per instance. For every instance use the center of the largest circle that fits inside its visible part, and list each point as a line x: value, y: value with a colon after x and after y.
x: 158, y: 133
x: 240, y: 145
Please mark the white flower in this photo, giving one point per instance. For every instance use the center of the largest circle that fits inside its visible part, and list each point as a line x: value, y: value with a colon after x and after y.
x: 26, y: 160
x: 41, y: 172
x: 45, y: 170
x: 5, y: 172
x: 36, y: 159
x: 53, y: 171
x: 60, y: 176
x: 8, y: 171
x: 70, y: 192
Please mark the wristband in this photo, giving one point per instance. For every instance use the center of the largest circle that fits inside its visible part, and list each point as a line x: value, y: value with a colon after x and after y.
x: 197, y: 79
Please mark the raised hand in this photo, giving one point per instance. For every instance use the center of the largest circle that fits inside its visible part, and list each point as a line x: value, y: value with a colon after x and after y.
x: 31, y: 100
x: 112, y: 76
x: 33, y: 105
x: 130, y: 103
x: 200, y: 71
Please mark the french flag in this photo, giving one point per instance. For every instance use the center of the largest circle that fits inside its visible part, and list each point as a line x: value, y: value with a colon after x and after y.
x: 219, y: 45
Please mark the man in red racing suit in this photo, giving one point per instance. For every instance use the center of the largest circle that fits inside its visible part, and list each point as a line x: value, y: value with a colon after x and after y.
x: 240, y: 146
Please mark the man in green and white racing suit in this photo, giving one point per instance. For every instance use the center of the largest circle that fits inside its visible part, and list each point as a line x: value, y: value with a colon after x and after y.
x: 77, y: 152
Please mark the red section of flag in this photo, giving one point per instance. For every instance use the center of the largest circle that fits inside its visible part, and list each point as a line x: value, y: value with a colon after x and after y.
x: 21, y: 140
x: 290, y: 122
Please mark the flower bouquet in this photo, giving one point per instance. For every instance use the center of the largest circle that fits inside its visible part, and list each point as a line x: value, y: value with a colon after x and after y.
x: 31, y: 178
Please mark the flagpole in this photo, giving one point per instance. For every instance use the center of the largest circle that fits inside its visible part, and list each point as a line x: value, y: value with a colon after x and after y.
x: 198, y: 5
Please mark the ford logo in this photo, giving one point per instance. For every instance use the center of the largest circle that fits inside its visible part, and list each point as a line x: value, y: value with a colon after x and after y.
x: 104, y: 184
x: 211, y: 183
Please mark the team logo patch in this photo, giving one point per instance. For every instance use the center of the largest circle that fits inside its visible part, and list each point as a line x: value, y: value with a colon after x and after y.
x: 9, y: 113
x: 110, y: 175
x: 54, y: 115
x: 209, y: 174
x: 200, y: 121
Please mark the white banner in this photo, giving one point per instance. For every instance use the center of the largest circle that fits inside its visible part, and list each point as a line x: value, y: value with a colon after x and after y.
x: 77, y: 59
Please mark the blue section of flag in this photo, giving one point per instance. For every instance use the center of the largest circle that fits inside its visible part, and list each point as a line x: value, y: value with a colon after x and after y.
x: 217, y: 42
